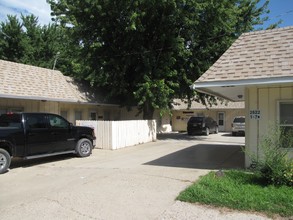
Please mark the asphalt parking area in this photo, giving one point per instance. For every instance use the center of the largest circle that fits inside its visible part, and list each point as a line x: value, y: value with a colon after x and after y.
x: 139, y: 182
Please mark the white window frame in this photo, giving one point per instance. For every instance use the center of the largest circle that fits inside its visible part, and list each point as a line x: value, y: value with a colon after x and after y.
x: 290, y: 101
x: 279, y: 111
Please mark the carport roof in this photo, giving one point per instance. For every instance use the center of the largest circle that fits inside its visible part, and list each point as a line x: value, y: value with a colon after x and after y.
x: 21, y: 81
x: 256, y: 58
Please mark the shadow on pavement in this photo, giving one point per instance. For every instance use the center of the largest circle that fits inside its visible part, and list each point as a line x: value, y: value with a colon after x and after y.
x: 204, y: 156
x: 180, y: 136
x: 19, y: 162
x: 184, y: 136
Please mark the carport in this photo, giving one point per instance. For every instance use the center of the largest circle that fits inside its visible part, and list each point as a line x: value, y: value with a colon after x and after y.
x: 217, y: 151
x: 257, y: 68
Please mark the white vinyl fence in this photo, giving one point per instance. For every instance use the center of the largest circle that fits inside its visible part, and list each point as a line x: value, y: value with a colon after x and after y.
x: 113, y: 135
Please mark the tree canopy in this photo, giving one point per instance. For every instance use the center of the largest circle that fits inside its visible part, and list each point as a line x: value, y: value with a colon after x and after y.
x: 147, y: 52
x: 25, y: 41
x: 143, y: 53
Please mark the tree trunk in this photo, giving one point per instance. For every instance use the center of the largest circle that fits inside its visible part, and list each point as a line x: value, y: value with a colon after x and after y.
x: 148, y: 111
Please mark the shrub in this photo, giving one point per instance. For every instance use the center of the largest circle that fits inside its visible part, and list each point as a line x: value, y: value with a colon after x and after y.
x: 273, y: 163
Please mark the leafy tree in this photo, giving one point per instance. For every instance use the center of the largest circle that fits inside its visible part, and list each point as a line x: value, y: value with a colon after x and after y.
x: 27, y: 42
x: 11, y: 40
x: 146, y: 52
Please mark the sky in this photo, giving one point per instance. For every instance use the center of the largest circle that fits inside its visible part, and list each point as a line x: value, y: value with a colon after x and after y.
x: 280, y: 9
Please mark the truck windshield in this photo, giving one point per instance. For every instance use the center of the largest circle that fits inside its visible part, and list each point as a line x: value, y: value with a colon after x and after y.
x: 10, y: 120
x: 239, y: 120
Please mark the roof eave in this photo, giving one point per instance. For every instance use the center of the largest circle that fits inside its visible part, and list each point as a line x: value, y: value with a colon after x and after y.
x: 245, y: 82
x: 44, y: 99
x: 211, y: 92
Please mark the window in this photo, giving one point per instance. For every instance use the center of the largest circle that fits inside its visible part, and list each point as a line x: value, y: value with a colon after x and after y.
x: 106, y: 115
x: 57, y: 122
x: 35, y: 121
x: 239, y: 120
x: 286, y: 122
x: 2, y: 111
x: 10, y: 120
x: 93, y: 116
x: 286, y: 113
x: 78, y: 115
x: 196, y: 119
x: 63, y: 113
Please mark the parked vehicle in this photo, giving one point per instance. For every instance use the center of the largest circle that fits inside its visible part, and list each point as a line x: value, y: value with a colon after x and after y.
x: 238, y: 125
x: 34, y: 135
x: 201, y: 125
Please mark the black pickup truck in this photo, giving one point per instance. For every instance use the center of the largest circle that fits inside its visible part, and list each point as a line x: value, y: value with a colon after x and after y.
x: 34, y: 135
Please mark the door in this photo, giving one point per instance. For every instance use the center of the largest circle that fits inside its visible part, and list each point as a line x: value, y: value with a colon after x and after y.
x: 221, y: 121
x: 61, y: 133
x: 38, y: 139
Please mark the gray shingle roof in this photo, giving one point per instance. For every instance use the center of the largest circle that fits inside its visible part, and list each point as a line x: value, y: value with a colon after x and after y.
x: 30, y: 82
x: 255, y: 55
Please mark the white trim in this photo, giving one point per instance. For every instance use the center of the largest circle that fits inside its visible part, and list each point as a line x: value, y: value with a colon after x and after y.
x: 285, y: 101
x: 245, y: 82
x: 289, y: 101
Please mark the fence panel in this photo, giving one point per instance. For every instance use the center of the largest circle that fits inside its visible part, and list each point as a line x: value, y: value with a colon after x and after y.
x: 113, y: 135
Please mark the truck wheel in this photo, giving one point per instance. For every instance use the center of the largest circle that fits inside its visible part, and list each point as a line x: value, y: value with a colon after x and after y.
x: 5, y: 161
x: 84, y: 147
x: 217, y: 130
x: 207, y: 132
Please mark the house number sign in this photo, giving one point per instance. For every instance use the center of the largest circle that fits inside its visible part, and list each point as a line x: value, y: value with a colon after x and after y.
x: 254, y: 114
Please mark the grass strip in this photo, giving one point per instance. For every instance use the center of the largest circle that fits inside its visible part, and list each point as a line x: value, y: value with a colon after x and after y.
x: 241, y: 191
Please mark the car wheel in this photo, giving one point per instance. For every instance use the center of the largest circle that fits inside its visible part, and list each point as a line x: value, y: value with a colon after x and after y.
x: 84, y: 147
x: 207, y: 132
x: 5, y: 161
x: 217, y: 130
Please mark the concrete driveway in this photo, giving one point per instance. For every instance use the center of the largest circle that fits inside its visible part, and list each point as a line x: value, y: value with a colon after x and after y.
x: 139, y: 182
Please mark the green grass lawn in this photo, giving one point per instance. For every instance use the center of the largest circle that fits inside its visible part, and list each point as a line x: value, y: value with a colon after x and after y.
x: 242, y: 191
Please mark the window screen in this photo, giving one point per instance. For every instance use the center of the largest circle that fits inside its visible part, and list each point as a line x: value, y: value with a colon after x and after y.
x: 286, y: 113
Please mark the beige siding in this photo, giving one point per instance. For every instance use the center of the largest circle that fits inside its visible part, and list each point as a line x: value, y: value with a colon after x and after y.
x: 112, y: 112
x: 133, y: 114
x: 103, y: 113
x: 25, y: 105
x: 266, y: 100
x: 47, y: 106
